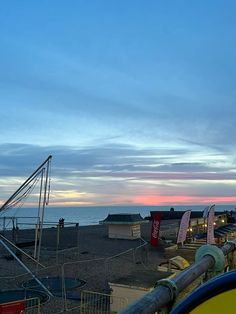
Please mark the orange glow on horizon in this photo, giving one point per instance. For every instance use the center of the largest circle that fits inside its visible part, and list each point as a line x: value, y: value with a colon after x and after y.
x: 140, y: 200
x: 155, y: 200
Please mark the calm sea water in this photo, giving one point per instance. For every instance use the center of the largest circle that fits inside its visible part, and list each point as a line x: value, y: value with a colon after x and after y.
x: 92, y: 215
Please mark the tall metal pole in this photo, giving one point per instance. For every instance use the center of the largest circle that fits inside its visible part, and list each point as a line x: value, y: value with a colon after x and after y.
x: 77, y: 227
x: 57, y: 242
x: 39, y: 210
x: 43, y: 208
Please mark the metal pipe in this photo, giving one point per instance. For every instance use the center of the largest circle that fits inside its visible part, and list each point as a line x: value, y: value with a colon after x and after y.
x: 38, y: 220
x: 43, y: 209
x: 35, y: 240
x: 63, y: 287
x: 4, y: 225
x: 162, y: 294
x: 77, y: 227
x: 26, y: 268
x: 229, y: 246
x: 57, y: 242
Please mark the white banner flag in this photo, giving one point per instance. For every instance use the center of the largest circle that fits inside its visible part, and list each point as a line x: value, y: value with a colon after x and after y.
x: 205, y: 212
x: 183, y: 228
x: 210, y: 225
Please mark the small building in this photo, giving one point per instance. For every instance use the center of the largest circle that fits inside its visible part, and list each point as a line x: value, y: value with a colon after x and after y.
x: 134, y: 286
x: 124, y: 226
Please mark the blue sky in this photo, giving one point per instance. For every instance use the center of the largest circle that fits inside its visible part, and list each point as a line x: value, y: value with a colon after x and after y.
x: 135, y: 100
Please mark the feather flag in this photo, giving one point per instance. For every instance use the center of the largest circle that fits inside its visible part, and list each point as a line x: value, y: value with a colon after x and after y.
x: 210, y: 225
x: 205, y: 212
x: 156, y: 222
x: 183, y: 228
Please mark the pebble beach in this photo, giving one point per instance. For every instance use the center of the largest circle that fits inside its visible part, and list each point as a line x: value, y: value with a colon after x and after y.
x: 85, y: 252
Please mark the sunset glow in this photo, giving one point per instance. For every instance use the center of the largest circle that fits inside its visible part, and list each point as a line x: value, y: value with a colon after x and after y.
x: 136, y: 103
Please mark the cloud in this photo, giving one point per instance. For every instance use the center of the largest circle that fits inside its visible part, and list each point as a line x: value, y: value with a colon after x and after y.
x: 124, y: 107
x: 109, y: 159
x: 63, y: 89
x: 113, y: 173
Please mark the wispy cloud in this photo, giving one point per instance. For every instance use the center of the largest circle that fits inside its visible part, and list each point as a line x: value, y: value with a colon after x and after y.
x: 115, y: 172
x: 130, y: 103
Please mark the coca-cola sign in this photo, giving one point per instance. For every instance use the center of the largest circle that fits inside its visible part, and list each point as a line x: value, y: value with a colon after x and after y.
x: 156, y: 221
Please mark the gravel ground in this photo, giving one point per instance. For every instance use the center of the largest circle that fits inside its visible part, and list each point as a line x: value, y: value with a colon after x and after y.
x: 85, y: 253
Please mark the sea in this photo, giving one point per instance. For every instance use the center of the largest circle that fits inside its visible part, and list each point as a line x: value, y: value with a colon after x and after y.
x: 90, y: 215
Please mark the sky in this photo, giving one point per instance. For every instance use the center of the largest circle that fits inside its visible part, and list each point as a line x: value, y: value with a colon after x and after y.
x: 135, y: 100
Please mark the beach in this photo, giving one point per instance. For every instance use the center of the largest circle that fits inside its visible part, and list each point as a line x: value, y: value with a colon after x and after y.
x: 83, y: 252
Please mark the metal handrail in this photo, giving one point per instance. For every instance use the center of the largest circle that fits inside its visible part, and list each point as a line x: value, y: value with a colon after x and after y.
x: 168, y: 289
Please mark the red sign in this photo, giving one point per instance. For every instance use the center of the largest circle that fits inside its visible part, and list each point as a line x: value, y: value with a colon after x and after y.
x: 156, y: 222
x: 12, y: 308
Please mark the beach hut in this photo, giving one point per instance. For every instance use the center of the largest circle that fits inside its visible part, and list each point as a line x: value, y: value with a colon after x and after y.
x: 124, y: 226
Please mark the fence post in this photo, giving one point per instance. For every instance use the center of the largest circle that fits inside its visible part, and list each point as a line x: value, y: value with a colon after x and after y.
x: 57, y: 242
x: 77, y: 226
x: 63, y: 287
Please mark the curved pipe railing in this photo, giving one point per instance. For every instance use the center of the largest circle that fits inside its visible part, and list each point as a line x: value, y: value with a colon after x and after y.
x: 167, y: 289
